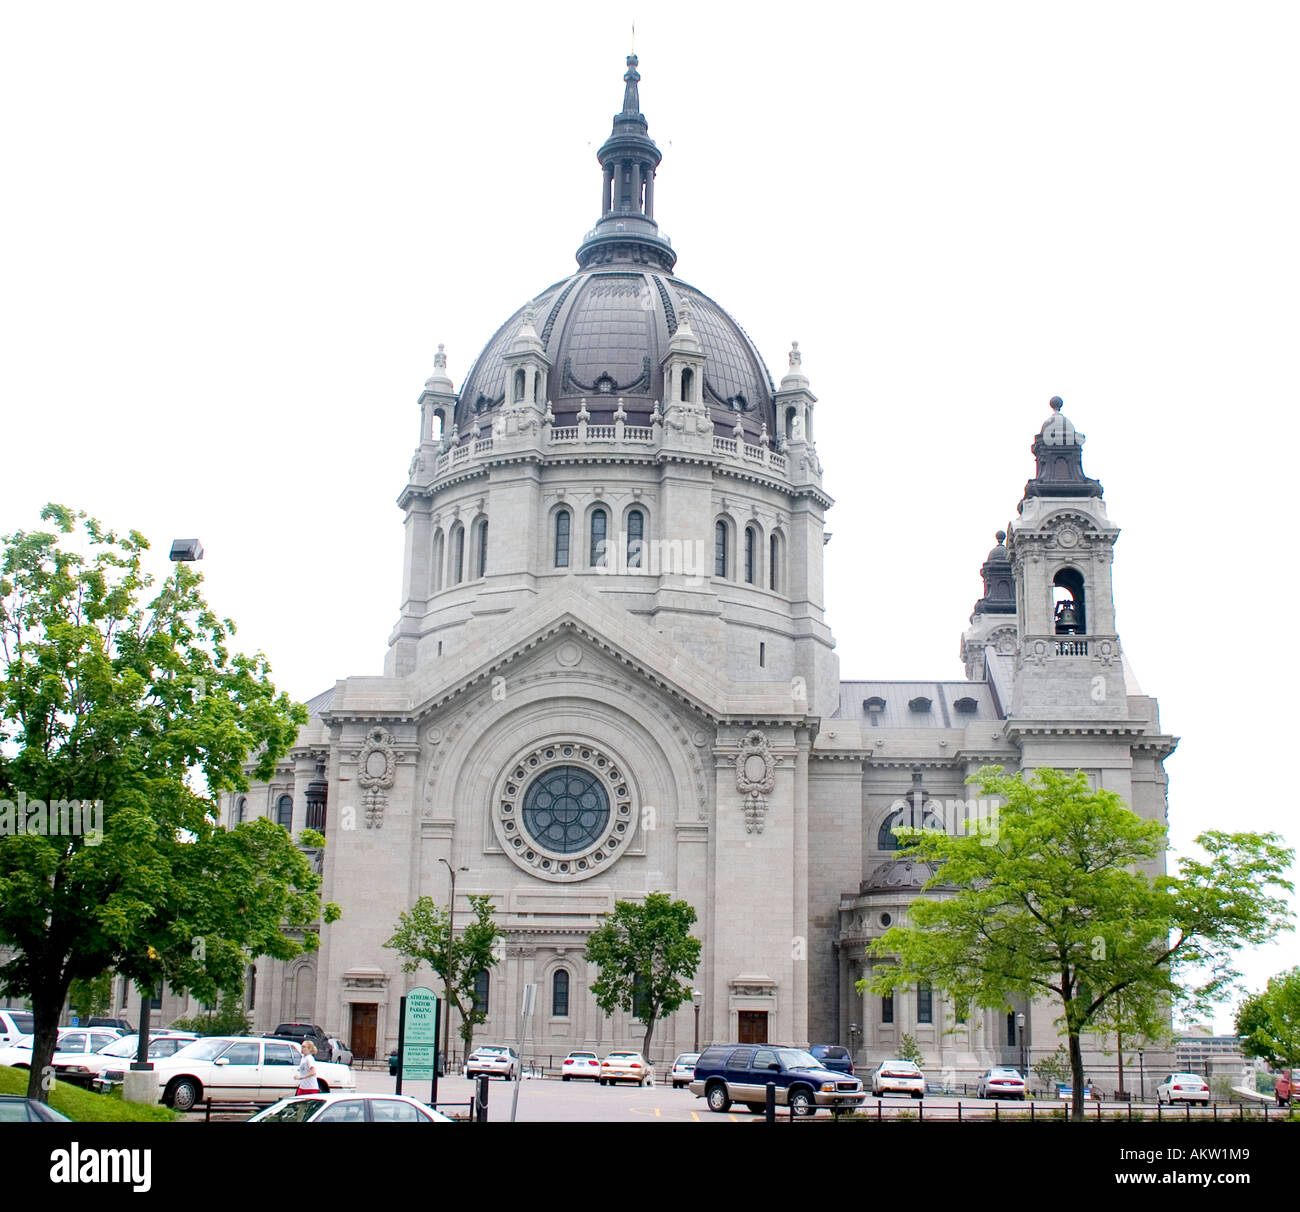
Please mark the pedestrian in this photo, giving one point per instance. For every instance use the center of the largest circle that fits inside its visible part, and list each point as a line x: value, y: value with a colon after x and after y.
x: 307, y: 1083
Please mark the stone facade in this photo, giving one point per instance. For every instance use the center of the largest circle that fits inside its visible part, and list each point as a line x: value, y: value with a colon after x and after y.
x: 611, y: 675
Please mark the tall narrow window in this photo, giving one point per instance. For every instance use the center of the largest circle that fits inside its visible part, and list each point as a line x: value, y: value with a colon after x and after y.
x: 562, y: 539
x: 635, y: 537
x: 773, y: 551
x: 560, y: 994
x: 599, y: 525
x: 439, y: 559
x: 688, y: 386
x: 241, y: 804
x: 458, y: 556
x: 284, y: 811
x: 1011, y: 1028
x: 924, y: 1003
x: 482, y: 987
x: 482, y: 548
x: 887, y: 1008
x: 720, y: 549
x: 751, y: 555
x: 519, y: 384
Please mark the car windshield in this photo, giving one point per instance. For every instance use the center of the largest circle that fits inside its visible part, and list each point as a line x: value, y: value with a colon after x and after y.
x: 24, y: 1020
x: 583, y: 1055
x: 797, y: 1058
x: 203, y: 1049
x: 292, y: 1113
x: 687, y: 1058
x: 900, y: 1069
x: 125, y: 1046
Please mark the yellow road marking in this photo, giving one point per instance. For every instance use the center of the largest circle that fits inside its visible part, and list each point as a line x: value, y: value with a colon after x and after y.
x: 695, y: 1115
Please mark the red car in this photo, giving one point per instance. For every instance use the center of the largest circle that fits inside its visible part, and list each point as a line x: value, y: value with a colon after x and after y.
x: 1284, y: 1091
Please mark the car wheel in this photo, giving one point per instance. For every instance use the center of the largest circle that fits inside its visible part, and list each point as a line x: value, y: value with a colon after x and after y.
x: 564, y: 1077
x: 324, y: 1088
x: 918, y: 1093
x: 184, y: 1094
x: 718, y: 1098
x: 801, y: 1103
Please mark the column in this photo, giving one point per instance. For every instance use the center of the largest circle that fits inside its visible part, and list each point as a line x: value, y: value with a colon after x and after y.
x: 649, y: 192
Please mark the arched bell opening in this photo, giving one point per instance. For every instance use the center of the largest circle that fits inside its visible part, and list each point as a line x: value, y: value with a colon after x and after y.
x: 1069, y: 610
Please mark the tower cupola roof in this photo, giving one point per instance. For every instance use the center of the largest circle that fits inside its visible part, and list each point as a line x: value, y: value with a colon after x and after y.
x: 1058, y: 459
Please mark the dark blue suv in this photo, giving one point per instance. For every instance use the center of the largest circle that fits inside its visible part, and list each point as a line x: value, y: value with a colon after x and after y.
x: 727, y: 1073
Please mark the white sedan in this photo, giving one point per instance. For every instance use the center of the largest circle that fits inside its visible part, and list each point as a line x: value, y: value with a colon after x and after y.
x: 1183, y: 1088
x: 1001, y: 1083
x: 240, y: 1069
x: 496, y: 1060
x: 898, y: 1077
x: 683, y: 1070
x: 580, y: 1064
x: 626, y: 1067
x: 350, y: 1108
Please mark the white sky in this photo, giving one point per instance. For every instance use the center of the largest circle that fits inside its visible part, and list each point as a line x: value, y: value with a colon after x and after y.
x: 234, y: 234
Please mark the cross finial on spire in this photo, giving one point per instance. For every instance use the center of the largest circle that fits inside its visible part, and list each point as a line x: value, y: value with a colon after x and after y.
x: 631, y: 78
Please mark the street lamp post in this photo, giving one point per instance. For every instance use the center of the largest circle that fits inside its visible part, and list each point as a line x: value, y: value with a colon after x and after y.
x: 446, y: 976
x: 1020, y: 1035
x: 1142, y: 1079
x: 697, y: 997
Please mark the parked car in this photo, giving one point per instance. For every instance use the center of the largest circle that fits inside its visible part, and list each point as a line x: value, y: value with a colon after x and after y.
x: 120, y: 1023
x: 898, y: 1077
x: 350, y: 1108
x: 1001, y: 1082
x: 626, y: 1067
x: 580, y: 1064
x: 14, y: 1109
x: 240, y: 1069
x: 833, y: 1057
x: 683, y: 1071
x: 18, y: 1054
x: 1183, y: 1088
x: 1284, y: 1091
x: 109, y: 1064
x: 496, y: 1060
x: 298, y: 1032
x: 339, y: 1052
x: 727, y: 1073
x: 83, y: 1055
x: 15, y: 1024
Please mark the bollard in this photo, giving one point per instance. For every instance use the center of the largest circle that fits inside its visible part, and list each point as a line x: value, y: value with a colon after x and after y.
x: 481, y: 1097
x: 769, y: 1104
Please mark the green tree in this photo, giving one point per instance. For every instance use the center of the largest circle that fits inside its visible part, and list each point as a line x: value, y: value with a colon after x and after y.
x: 644, y: 952
x: 89, y: 997
x: 1049, y: 899
x: 228, y: 1018
x: 424, y: 936
x: 127, y: 702
x: 1269, y: 1022
x: 1053, y: 1068
x: 910, y: 1050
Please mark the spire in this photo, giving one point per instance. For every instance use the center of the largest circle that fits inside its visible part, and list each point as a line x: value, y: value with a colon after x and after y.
x: 999, y: 581
x: 627, y: 231
x: 1058, y: 459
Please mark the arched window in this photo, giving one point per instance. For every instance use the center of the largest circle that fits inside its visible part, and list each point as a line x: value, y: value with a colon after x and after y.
x: 482, y: 548
x: 482, y: 987
x: 241, y: 803
x: 720, y: 549
x: 773, y: 562
x: 457, y: 555
x: 887, y: 839
x: 519, y: 384
x: 439, y: 559
x: 887, y: 1008
x: 1069, y: 611
x: 688, y: 385
x: 751, y: 555
x: 560, y: 993
x: 284, y: 811
x: 635, y: 537
x: 562, y: 522
x: 599, y: 527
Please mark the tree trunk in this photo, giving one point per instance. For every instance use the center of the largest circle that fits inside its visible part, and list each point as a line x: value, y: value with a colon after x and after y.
x: 1076, y: 1077
x: 645, y: 1043
x: 47, y: 1006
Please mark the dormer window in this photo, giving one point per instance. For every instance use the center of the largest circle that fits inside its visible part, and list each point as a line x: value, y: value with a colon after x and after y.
x: 919, y: 704
x: 874, y: 705
x: 605, y: 385
x: 967, y: 706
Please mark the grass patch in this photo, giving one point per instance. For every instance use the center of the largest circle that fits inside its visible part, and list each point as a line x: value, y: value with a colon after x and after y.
x: 85, y: 1106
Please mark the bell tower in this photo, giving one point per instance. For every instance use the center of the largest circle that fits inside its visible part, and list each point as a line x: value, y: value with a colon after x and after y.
x: 1060, y: 548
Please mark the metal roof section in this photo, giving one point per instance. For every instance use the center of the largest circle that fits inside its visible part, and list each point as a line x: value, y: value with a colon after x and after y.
x: 317, y: 706
x: 912, y: 705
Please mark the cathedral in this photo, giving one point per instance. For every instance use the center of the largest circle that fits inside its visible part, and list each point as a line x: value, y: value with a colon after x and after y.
x: 611, y: 674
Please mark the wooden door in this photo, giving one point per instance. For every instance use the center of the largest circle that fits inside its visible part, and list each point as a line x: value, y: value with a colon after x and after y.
x: 753, y: 1026
x: 365, y: 1019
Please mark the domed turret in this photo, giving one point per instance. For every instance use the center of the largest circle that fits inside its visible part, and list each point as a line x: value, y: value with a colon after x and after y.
x: 1058, y: 459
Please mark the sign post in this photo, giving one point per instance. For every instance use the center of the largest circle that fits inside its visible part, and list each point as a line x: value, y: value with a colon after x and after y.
x: 417, y: 1039
x: 526, y: 1013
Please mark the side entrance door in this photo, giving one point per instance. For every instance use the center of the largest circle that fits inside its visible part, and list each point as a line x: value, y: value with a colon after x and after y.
x: 752, y: 1026
x: 365, y: 1019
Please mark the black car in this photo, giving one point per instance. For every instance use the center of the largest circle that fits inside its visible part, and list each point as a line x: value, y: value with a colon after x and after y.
x: 833, y: 1057
x: 727, y: 1073
x: 120, y: 1023
x: 300, y: 1032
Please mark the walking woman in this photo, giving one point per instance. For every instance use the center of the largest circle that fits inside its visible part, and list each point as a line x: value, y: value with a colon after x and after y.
x: 307, y: 1083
